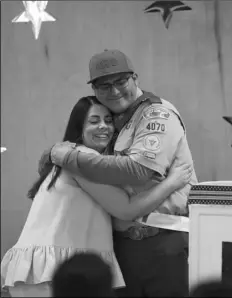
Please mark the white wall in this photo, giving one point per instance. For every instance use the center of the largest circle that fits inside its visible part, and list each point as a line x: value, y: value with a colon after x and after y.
x: 38, y: 91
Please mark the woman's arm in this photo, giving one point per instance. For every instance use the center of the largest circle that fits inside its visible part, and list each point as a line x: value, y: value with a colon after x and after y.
x: 117, y: 203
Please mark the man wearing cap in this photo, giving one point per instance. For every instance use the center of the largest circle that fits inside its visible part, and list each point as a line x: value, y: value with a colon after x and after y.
x: 151, y: 251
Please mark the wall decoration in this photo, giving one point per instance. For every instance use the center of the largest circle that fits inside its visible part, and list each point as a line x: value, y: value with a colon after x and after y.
x: 34, y: 13
x: 3, y: 149
x: 166, y: 9
x: 228, y: 119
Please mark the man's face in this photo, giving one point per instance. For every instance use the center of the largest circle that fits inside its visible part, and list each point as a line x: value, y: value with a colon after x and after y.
x: 117, y: 92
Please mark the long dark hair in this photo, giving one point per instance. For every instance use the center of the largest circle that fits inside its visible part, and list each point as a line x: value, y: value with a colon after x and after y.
x: 73, y: 133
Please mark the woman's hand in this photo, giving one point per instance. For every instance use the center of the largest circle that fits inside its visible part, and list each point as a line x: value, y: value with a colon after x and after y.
x: 180, y: 175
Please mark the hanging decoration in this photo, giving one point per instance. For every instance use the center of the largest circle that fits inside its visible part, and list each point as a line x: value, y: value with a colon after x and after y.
x: 34, y: 13
x: 228, y: 119
x: 166, y: 9
x: 3, y: 149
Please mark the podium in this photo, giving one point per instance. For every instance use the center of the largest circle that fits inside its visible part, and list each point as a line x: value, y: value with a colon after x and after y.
x: 210, y: 232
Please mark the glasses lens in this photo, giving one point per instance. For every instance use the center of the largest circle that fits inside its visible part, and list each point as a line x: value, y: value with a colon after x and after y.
x: 122, y: 83
x: 104, y: 87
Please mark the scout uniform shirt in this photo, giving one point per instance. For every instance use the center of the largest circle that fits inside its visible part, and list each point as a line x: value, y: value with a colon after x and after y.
x: 154, y: 136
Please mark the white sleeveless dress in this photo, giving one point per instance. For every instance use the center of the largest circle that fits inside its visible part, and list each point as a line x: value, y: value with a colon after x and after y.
x: 61, y: 222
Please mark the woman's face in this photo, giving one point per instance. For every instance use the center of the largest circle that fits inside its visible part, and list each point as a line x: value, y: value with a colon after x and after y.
x: 98, y: 128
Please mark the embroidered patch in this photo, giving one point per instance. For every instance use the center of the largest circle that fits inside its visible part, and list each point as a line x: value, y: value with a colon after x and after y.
x: 156, y: 112
x: 150, y: 155
x: 151, y: 143
x: 156, y: 126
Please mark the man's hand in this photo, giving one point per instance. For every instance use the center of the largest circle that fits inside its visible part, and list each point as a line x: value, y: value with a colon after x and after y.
x: 60, y: 150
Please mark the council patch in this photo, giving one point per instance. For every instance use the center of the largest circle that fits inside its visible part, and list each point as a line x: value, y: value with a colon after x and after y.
x: 153, y: 112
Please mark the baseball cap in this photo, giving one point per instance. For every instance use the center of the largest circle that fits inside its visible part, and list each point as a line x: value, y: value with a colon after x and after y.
x: 107, y: 63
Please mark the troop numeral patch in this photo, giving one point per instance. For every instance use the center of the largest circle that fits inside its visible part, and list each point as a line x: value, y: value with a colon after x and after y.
x: 156, y: 127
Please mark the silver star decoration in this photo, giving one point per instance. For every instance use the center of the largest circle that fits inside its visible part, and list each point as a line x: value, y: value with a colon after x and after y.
x: 3, y: 149
x: 34, y: 13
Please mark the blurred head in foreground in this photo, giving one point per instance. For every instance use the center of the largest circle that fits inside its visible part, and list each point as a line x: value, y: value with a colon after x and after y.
x: 83, y: 275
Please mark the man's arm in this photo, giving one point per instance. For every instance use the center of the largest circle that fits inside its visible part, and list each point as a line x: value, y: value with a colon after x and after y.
x: 113, y: 170
x: 158, y: 133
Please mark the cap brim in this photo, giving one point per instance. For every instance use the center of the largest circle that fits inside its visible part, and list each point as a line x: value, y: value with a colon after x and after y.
x: 108, y: 74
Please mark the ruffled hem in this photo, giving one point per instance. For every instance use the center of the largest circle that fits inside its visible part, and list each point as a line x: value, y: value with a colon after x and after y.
x: 36, y: 264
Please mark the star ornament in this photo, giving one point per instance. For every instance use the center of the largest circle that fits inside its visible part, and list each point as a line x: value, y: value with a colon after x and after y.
x: 228, y: 119
x: 166, y: 9
x: 3, y: 149
x: 34, y: 13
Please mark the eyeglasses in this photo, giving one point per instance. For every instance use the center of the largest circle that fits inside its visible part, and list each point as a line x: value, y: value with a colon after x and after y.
x: 119, y: 84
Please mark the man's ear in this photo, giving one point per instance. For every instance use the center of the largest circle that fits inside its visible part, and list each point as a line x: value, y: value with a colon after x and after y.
x: 94, y: 89
x: 135, y: 78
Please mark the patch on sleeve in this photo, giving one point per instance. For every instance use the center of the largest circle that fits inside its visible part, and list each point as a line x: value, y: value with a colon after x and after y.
x: 151, y: 143
x: 153, y: 112
x: 149, y: 154
x: 156, y: 126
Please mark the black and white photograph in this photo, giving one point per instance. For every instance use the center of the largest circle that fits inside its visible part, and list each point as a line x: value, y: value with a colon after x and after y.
x: 116, y: 148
